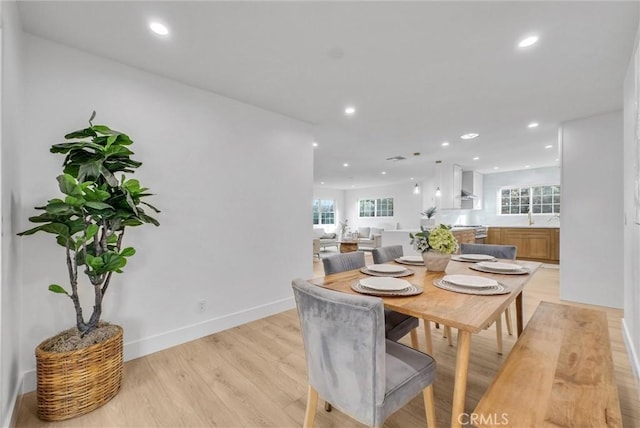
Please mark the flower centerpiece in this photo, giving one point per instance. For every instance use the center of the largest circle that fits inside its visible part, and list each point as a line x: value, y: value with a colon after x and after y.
x: 436, y: 246
x: 344, y: 228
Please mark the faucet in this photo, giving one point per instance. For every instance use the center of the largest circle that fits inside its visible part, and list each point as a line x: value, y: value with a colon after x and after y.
x: 530, y: 219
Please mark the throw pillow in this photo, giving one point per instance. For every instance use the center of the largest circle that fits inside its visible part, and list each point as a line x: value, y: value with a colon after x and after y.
x: 328, y: 236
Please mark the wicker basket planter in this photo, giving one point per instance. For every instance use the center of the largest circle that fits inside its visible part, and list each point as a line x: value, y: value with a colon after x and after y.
x: 76, y: 382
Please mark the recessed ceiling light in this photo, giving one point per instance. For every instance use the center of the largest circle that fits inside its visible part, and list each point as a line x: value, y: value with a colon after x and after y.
x: 411, y: 178
x: 322, y: 182
x: 496, y: 167
x: 445, y: 144
x: 384, y: 172
x: 349, y: 111
x: 345, y: 164
x: 476, y: 158
x: 469, y: 136
x: 159, y: 28
x: 314, y: 144
x: 548, y: 146
x: 527, y: 166
x: 532, y: 125
x: 528, y: 41
x: 557, y: 159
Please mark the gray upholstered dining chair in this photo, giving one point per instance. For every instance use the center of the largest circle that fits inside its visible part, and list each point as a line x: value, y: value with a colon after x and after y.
x: 500, y: 252
x: 351, y: 364
x: 397, y: 325
x: 342, y: 262
x: 386, y: 254
x: 497, y: 251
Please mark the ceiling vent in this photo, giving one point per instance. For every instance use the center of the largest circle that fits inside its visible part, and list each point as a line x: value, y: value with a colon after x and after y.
x: 396, y: 158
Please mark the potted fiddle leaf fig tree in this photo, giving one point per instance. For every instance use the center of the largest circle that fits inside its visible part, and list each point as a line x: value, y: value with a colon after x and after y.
x: 80, y: 369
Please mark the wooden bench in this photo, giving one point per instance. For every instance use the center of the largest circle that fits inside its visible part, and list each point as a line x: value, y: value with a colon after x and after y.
x: 559, y: 373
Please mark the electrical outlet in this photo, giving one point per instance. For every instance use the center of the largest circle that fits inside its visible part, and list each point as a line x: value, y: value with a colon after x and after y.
x: 202, y: 305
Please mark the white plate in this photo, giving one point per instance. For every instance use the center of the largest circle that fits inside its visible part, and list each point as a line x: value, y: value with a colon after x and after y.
x: 412, y: 258
x: 478, y: 257
x: 499, y: 266
x: 385, y: 283
x: 386, y: 268
x: 470, y: 281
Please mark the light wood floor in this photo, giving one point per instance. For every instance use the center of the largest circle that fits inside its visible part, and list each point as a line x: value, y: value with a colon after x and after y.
x: 255, y: 376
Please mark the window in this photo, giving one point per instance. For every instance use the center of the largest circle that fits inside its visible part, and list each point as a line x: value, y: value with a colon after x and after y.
x: 540, y: 199
x: 323, y: 211
x: 376, y: 207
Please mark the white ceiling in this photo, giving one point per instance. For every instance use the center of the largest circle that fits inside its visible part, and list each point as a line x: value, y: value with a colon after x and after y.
x: 419, y: 73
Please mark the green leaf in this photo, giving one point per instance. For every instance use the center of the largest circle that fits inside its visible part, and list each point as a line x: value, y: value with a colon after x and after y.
x: 103, y: 129
x: 73, y: 201
x: 112, y: 139
x: 83, y: 133
x: 98, y: 205
x: 57, y: 289
x: 151, y: 206
x: 128, y: 252
x: 60, y: 208
x: 56, y: 228
x: 94, y: 262
x: 89, y: 170
x: 91, y: 231
x: 108, y: 176
x: 68, y: 185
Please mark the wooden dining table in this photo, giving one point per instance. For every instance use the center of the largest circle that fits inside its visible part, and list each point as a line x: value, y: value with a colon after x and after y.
x: 468, y: 313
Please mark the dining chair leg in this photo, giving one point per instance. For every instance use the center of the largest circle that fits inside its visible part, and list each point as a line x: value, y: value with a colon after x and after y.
x: 499, y: 334
x: 507, y: 316
x: 447, y: 334
x: 429, y: 406
x: 327, y: 406
x: 414, y: 339
x: 427, y: 337
x: 312, y: 403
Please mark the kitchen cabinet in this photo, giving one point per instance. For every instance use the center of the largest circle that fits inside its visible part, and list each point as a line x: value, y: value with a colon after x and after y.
x: 471, y: 185
x: 534, y: 243
x: 465, y: 236
x: 450, y: 186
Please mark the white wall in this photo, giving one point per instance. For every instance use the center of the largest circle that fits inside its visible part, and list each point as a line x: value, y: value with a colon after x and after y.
x: 591, y: 242
x: 631, y: 321
x: 234, y: 183
x: 336, y: 195
x: 406, y: 206
x: 12, y: 132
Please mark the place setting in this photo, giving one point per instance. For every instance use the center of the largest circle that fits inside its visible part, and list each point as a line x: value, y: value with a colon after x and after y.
x: 499, y: 267
x: 410, y: 260
x: 473, y: 258
x: 387, y: 270
x: 386, y: 287
x: 471, y: 284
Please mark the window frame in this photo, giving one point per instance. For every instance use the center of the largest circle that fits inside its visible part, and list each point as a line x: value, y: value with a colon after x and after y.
x: 322, y: 215
x: 554, y: 198
x: 378, y: 207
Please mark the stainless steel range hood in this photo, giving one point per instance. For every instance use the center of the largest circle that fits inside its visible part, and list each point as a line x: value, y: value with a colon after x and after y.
x: 466, y: 195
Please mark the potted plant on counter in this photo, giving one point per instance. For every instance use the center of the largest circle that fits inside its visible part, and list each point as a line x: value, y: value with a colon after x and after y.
x: 436, y: 246
x: 429, y: 213
x: 80, y: 369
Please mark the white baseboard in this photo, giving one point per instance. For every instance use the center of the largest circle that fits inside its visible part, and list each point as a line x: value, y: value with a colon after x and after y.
x: 632, y: 351
x: 149, y: 345
x: 9, y: 419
